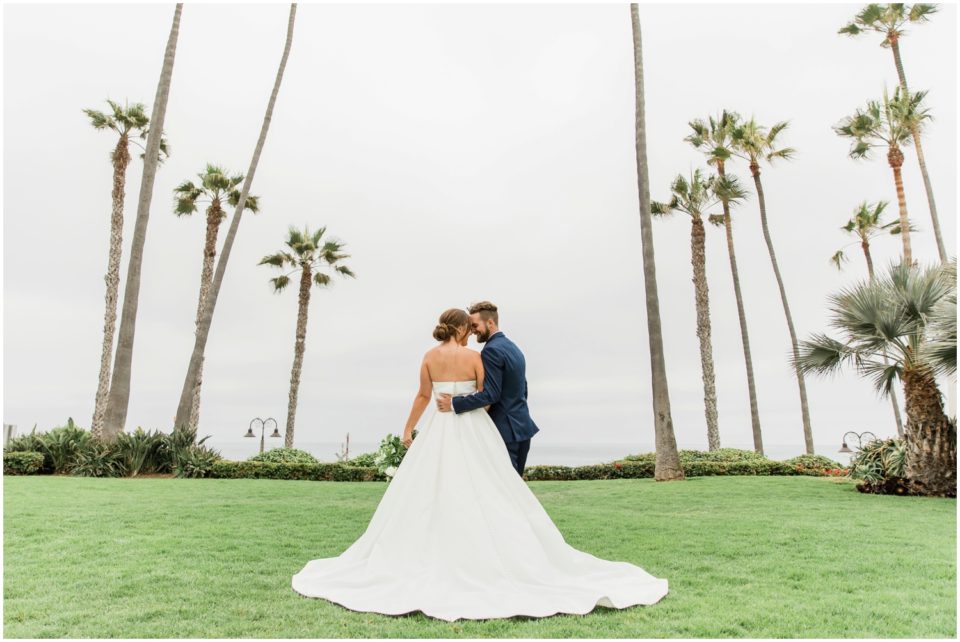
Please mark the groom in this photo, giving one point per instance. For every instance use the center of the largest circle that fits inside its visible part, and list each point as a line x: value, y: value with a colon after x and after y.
x: 504, y: 385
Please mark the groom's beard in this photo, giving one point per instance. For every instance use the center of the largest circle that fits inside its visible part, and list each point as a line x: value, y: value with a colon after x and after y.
x: 482, y: 335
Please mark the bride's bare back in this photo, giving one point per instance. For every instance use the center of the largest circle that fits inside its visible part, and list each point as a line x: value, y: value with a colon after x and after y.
x: 452, y: 362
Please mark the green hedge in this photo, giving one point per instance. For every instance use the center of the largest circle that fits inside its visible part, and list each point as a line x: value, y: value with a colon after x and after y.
x: 317, y: 472
x: 22, y: 463
x: 640, y: 468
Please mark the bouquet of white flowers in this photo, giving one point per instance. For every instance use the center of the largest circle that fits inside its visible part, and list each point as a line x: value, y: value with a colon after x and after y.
x: 390, y: 455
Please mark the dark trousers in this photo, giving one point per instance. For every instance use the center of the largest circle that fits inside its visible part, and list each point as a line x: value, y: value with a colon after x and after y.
x: 518, y: 453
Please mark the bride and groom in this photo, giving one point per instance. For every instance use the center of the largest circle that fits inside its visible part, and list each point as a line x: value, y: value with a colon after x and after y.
x: 458, y: 533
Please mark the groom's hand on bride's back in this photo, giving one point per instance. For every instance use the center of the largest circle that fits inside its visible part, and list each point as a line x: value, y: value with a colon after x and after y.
x: 445, y: 402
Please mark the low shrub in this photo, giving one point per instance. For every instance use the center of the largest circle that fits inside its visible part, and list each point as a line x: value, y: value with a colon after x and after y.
x: 142, y: 452
x: 22, y: 462
x: 285, y: 456
x: 62, y: 444
x: 97, y: 459
x: 880, y: 465
x: 366, y: 460
x: 225, y: 469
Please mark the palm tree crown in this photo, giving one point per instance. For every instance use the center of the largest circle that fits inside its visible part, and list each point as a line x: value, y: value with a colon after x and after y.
x: 124, y: 120
x: 308, y: 253
x: 214, y: 184
x: 887, y: 19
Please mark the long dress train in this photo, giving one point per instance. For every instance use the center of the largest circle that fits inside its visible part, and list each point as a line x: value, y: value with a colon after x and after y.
x: 458, y: 534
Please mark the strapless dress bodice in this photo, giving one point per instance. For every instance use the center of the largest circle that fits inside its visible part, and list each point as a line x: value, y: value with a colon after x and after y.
x: 455, y: 388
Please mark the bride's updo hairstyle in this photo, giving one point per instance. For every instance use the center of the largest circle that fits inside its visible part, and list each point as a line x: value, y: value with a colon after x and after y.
x: 450, y: 323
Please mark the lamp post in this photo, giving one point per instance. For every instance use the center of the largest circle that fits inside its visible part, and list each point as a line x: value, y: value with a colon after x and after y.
x: 263, y: 424
x: 859, y: 435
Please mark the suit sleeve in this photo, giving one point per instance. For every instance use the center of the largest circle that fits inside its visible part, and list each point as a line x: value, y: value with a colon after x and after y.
x: 492, y: 384
x: 525, y: 389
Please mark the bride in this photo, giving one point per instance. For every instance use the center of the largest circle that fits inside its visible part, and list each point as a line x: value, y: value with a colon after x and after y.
x: 457, y: 533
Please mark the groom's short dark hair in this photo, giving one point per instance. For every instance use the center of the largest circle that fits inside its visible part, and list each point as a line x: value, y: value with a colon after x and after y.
x: 487, y: 311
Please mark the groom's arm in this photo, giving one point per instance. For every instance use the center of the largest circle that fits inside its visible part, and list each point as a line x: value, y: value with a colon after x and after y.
x: 492, y: 384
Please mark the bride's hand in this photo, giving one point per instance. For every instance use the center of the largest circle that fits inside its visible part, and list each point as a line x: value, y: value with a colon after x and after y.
x: 407, y: 440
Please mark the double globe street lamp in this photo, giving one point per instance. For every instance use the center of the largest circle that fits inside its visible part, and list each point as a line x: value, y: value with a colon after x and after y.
x: 263, y: 424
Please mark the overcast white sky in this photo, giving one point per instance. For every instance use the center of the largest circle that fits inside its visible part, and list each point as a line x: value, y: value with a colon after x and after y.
x: 463, y: 152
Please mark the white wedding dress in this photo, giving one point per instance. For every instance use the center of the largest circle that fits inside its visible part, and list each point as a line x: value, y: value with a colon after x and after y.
x: 458, y: 534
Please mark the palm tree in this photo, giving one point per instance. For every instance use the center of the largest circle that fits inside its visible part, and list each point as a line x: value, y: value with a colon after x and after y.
x: 115, y: 415
x: 218, y: 187
x: 693, y: 197
x: 755, y: 143
x: 889, y: 20
x: 308, y: 256
x: 124, y: 121
x: 713, y: 139
x: 866, y: 224
x: 185, y: 405
x: 667, y: 464
x: 887, y: 124
x: 890, y: 316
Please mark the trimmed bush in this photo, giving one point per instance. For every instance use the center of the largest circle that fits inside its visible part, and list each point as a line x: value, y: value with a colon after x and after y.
x: 224, y: 469
x: 21, y: 462
x: 366, y: 460
x: 285, y: 456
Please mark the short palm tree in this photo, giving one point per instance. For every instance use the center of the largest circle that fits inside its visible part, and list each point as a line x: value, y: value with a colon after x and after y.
x: 694, y: 197
x: 886, y: 124
x: 890, y: 316
x: 667, y: 465
x: 867, y: 224
x: 754, y: 143
x: 125, y: 121
x: 712, y: 137
x: 217, y: 187
x: 889, y: 20
x: 308, y: 255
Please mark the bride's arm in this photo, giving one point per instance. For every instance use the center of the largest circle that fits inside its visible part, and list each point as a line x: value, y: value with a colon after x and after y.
x: 424, y: 395
x: 478, y: 371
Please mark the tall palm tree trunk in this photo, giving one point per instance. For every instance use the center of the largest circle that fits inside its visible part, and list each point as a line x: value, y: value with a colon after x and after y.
x: 895, y: 157
x: 804, y: 409
x: 667, y: 458
x: 196, y: 358
x: 298, y: 348
x: 214, y: 217
x: 115, y: 416
x: 893, y: 397
x: 742, y: 315
x: 121, y: 159
x: 941, y: 250
x: 698, y: 257
x: 931, y: 438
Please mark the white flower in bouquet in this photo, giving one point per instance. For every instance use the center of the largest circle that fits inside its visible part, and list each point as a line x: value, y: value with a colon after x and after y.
x: 390, y: 471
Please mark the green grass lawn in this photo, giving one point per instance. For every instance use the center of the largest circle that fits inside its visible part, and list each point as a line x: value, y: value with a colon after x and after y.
x: 745, y: 557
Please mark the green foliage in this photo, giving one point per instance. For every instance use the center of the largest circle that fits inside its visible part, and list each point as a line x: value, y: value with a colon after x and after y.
x: 639, y: 466
x: 98, y: 459
x: 22, y: 462
x: 721, y: 455
x: 196, y: 461
x: 285, y: 456
x: 317, y: 472
x: 178, y: 453
x: 141, y: 452
x: 390, y: 454
x: 31, y: 442
x: 366, y: 460
x: 62, y: 445
x: 813, y: 461
x: 881, y: 467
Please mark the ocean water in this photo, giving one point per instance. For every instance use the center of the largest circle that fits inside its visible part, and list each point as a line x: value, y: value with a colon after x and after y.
x: 542, y: 452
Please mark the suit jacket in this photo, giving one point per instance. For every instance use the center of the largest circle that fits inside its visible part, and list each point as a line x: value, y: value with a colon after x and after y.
x: 504, y: 390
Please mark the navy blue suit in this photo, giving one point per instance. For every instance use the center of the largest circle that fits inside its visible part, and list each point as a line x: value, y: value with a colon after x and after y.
x: 505, y: 391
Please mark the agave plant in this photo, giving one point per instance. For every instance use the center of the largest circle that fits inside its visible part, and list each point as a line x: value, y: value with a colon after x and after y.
x: 62, y: 444
x: 98, y: 459
x: 140, y: 450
